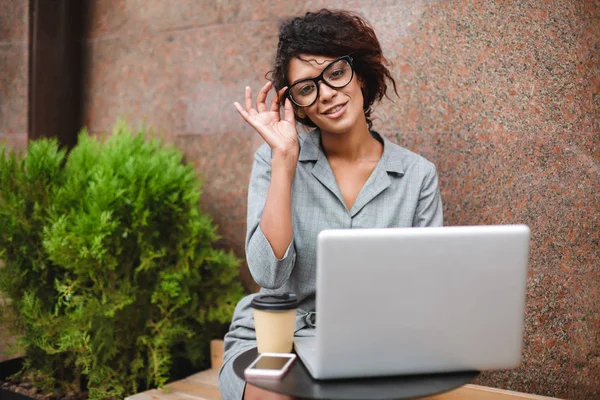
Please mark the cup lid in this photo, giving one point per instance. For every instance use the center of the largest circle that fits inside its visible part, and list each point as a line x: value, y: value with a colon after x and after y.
x: 275, y: 302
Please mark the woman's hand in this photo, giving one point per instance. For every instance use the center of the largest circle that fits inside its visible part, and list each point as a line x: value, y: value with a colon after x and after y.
x: 280, y: 134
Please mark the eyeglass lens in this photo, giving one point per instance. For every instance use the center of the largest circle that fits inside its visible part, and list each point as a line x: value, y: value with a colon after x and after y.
x: 337, y: 74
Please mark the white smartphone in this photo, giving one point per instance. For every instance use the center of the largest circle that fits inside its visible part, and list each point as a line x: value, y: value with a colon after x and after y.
x: 270, y: 365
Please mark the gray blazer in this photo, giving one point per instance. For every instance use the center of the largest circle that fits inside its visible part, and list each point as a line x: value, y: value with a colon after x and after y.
x: 402, y: 191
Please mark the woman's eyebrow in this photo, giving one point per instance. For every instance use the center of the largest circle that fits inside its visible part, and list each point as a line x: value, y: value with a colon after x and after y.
x: 302, y: 79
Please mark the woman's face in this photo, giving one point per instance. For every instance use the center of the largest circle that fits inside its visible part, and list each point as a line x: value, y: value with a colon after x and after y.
x: 335, y: 110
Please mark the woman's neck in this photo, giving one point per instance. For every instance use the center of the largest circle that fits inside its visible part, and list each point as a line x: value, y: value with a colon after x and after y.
x: 353, y: 146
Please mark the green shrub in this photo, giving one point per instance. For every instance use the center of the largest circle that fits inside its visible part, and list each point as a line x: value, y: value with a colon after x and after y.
x: 109, y: 264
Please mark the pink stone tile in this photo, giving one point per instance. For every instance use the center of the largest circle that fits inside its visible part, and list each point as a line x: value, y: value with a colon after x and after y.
x: 585, y: 333
x: 546, y: 353
x: 502, y: 96
x: 458, y: 93
x: 139, y: 17
x: 466, y: 65
x: 15, y: 141
x: 590, y: 66
x: 224, y: 162
x: 13, y: 88
x: 184, y: 81
x: 259, y: 10
x: 511, y: 177
x: 109, y: 18
x: 14, y: 21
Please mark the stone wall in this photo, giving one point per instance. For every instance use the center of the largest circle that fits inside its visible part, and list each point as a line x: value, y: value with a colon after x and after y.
x: 14, y: 69
x: 504, y: 96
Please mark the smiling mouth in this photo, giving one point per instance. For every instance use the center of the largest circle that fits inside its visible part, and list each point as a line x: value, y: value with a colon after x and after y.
x: 335, y: 109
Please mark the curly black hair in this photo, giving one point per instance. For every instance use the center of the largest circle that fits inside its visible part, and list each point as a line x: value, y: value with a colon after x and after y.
x: 335, y: 34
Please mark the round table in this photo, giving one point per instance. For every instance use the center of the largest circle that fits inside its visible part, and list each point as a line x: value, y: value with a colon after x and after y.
x: 298, y: 383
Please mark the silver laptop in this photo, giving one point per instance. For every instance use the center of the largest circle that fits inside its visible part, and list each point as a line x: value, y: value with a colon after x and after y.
x: 417, y: 300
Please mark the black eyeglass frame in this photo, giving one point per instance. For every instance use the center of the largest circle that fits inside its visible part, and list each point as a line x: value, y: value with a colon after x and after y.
x: 320, y: 78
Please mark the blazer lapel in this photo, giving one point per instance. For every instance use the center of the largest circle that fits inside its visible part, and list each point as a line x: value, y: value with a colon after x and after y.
x: 310, y: 150
x: 379, y: 180
x: 377, y: 183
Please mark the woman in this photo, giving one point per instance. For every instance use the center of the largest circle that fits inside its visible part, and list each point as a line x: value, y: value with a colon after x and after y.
x: 328, y: 72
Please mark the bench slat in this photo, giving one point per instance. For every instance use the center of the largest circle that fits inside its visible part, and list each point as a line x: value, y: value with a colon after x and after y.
x: 209, y: 378
x: 216, y: 353
x: 188, y: 390
x: 475, y: 392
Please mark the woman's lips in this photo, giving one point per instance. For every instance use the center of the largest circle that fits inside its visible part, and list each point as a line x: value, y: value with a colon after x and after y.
x: 338, y: 113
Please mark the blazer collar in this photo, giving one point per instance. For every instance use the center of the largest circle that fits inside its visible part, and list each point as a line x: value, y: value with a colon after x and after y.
x: 391, y: 159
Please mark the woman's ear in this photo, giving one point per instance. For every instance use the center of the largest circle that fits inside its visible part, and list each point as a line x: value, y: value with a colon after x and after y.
x: 300, y: 112
x: 361, y: 83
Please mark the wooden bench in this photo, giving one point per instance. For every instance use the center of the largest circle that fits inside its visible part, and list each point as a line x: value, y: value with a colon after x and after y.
x: 200, y: 386
x: 203, y: 386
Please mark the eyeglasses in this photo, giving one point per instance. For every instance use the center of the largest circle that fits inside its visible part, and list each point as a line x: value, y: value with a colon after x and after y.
x: 336, y: 75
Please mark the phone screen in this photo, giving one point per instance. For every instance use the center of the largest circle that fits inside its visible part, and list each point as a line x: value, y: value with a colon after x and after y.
x: 272, y: 363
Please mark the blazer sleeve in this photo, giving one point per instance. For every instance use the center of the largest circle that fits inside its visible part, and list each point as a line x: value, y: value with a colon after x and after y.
x: 429, y: 208
x: 267, y: 270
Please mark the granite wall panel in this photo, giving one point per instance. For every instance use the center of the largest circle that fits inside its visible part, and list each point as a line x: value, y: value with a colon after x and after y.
x: 488, y: 66
x: 13, y: 88
x: 14, y: 67
x: 590, y: 65
x: 503, y: 96
x: 166, y: 78
x: 14, y: 21
x: 14, y: 64
x: 223, y: 162
x: 110, y: 18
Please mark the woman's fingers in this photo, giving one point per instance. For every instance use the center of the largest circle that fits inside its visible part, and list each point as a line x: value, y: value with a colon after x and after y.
x: 242, y: 112
x: 261, y: 99
x: 267, y: 122
x: 277, y: 100
x: 248, y: 118
x: 248, y: 99
x: 288, y: 112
